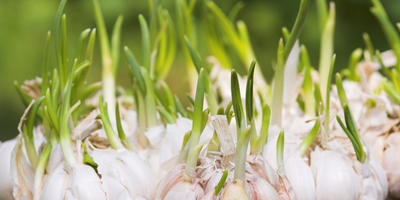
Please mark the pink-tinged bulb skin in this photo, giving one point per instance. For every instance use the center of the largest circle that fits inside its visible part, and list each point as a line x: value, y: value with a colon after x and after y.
x: 184, y: 190
x: 261, y: 189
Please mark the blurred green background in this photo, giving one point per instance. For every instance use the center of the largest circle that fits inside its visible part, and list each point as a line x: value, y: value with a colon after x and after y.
x: 24, y: 23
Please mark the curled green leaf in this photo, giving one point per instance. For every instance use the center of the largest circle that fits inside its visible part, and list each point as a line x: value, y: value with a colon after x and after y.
x: 221, y: 182
x: 249, y: 93
x: 237, y: 102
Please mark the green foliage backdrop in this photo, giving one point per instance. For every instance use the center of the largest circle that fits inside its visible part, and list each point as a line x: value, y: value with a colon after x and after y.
x: 24, y: 23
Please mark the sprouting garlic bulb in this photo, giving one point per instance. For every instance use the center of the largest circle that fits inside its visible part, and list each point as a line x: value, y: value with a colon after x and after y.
x: 6, y: 181
x: 261, y: 180
x: 61, y: 181
x: 370, y: 113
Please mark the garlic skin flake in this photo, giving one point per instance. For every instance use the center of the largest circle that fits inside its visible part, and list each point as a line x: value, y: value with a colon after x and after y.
x: 261, y: 188
x: 6, y: 180
x: 22, y: 172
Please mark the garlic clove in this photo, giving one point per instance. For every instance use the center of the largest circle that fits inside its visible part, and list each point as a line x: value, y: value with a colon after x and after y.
x: 6, y: 181
x: 391, y: 164
x: 114, y: 189
x: 261, y: 189
x: 126, y: 167
x: 300, y: 177
x: 184, y: 190
x: 374, y: 182
x: 235, y: 191
x: 85, y: 183
x: 334, y: 172
x: 56, y: 184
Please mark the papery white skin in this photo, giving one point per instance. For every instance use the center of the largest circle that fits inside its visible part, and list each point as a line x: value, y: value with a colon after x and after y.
x: 374, y: 182
x: 333, y: 172
x: 391, y: 164
x: 291, y: 144
x: 258, y: 166
x: 22, y: 172
x: 114, y: 189
x: 184, y: 190
x: 56, y: 184
x: 373, y: 122
x: 78, y: 182
x: 226, y: 133
x: 167, y: 142
x: 168, y: 181
x: 6, y: 181
x: 300, y: 177
x: 85, y: 183
x: 125, y: 167
x: 55, y: 158
x: 262, y: 189
x: 128, y: 120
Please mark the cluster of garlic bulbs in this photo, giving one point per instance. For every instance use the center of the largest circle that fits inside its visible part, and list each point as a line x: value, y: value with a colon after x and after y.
x: 300, y: 137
